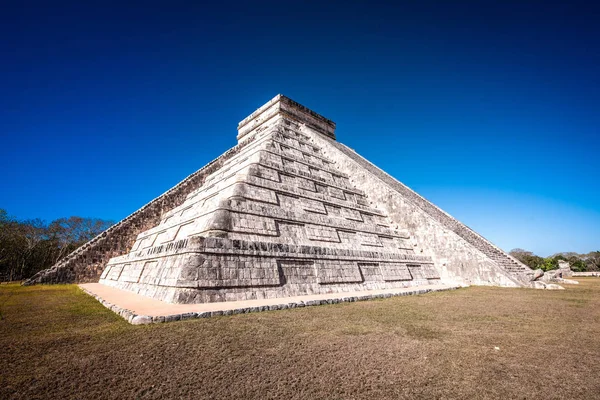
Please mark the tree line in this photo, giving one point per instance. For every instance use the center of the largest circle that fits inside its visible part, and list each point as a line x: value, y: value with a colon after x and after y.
x: 29, y: 246
x: 579, y: 262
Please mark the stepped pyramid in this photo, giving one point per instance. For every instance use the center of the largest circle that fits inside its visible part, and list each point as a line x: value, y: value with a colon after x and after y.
x: 288, y: 211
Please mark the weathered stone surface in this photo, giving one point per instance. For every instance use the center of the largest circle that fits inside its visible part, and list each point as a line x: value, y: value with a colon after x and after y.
x: 569, y: 282
x: 289, y: 211
x: 565, y: 268
x: 537, y: 274
x: 141, y: 320
x: 558, y: 275
x: 537, y: 285
x: 460, y: 255
x: 545, y: 285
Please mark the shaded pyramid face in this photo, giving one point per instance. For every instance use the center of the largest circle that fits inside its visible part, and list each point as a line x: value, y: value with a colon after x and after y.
x: 277, y: 219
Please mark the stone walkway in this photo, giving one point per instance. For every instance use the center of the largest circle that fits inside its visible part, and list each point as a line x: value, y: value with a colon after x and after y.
x: 138, y: 309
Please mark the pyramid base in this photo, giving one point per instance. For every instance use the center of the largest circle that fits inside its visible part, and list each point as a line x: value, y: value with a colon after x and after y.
x: 139, y: 310
x: 178, y: 295
x: 207, y: 270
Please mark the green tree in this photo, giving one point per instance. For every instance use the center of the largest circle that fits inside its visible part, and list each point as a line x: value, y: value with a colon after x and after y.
x: 577, y: 264
x: 550, y: 263
x: 528, y: 258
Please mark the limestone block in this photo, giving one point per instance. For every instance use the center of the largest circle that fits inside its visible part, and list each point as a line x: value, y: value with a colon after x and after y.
x: 265, y: 173
x: 395, y: 272
x: 114, y: 272
x: 271, y: 159
x: 141, y: 320
x: 337, y: 193
x: 312, y: 205
x: 297, y: 272
x: 371, y: 272
x: 305, y: 184
x: 367, y: 239
x: 184, y: 230
x: 150, y: 273
x: 322, y: 233
x: 352, y: 214
x: 254, y: 193
x: 132, y: 272
x: 537, y: 274
x: 338, y: 272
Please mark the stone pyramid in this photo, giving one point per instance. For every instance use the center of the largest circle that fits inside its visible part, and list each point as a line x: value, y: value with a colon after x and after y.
x: 286, y: 212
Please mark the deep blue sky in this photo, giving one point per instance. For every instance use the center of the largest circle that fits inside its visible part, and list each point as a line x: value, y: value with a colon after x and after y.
x: 489, y: 109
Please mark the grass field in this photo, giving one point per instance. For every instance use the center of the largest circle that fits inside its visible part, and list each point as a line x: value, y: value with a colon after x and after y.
x: 479, y: 342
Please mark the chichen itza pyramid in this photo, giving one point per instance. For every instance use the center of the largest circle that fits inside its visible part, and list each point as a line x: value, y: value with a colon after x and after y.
x: 287, y: 211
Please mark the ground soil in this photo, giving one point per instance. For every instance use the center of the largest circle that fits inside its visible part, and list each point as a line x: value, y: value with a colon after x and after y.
x: 476, y: 343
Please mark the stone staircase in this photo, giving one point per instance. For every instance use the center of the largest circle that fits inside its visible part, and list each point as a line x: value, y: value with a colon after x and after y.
x: 502, y: 259
x: 515, y: 268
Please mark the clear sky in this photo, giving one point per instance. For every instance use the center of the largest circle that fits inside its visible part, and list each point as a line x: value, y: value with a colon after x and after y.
x: 489, y: 109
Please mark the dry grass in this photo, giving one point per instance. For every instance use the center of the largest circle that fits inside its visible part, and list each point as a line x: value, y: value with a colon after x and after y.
x: 57, y: 342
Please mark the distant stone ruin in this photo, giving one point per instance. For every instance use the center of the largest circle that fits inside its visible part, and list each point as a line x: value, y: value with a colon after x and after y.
x: 288, y: 211
x: 564, y: 268
x: 560, y: 275
x: 588, y: 274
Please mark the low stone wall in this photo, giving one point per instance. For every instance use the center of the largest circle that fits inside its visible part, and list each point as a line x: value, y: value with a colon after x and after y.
x: 87, y: 263
x: 584, y: 274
